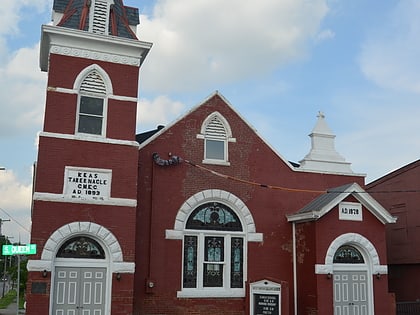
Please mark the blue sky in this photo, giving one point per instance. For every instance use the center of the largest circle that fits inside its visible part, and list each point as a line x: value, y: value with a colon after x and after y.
x: 278, y: 62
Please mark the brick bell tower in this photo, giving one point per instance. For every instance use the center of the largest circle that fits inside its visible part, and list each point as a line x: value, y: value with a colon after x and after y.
x: 85, y: 188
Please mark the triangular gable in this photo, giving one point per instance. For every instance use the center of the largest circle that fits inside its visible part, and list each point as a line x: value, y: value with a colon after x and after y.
x: 217, y: 93
x: 326, y: 202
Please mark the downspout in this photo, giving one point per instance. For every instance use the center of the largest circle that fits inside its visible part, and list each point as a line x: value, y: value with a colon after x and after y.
x: 295, y: 301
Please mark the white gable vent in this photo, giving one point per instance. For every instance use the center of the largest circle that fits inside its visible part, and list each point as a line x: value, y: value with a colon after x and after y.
x: 215, y: 128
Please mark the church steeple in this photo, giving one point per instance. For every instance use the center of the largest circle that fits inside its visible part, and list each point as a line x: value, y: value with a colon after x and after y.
x: 107, y: 17
x: 323, y: 157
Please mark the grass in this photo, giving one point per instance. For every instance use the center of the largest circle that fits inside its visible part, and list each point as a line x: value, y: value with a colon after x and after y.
x: 10, y: 297
x: 7, y: 299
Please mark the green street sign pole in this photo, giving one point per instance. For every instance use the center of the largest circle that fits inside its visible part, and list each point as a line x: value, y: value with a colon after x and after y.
x: 8, y: 250
x: 18, y: 286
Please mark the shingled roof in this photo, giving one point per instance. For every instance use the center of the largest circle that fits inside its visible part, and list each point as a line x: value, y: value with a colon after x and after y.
x: 76, y: 14
x: 320, y: 206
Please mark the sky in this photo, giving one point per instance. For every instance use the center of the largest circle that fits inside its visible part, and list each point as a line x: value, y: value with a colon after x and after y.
x: 277, y: 62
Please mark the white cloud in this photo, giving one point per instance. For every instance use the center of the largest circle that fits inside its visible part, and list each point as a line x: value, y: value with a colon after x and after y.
x: 390, y: 56
x: 199, y: 42
x: 15, y: 205
x: 23, y: 85
x: 13, y: 194
x: 10, y: 13
x: 161, y: 110
x: 325, y: 35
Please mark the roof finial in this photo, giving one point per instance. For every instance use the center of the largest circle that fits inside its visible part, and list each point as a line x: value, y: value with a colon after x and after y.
x: 320, y: 115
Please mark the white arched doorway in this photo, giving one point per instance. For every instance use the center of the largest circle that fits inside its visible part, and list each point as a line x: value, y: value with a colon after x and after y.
x: 352, y: 261
x: 82, y: 257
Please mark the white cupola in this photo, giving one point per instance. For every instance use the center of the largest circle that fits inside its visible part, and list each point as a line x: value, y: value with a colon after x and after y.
x: 323, y: 157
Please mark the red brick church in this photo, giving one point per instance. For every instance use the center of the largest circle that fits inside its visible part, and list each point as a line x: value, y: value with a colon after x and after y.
x: 198, y: 217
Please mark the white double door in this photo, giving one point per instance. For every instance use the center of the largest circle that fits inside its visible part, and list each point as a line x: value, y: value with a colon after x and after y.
x: 79, y: 291
x: 351, y: 293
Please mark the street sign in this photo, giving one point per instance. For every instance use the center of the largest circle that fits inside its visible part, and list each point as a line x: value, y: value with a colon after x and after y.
x: 28, y: 249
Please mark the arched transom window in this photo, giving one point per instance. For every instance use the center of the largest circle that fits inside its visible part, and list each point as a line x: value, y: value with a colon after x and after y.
x: 347, y: 254
x: 81, y: 247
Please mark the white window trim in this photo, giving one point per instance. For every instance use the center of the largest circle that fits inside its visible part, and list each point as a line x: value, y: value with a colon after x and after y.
x: 225, y: 290
x: 104, y: 116
x: 109, y: 91
x: 202, y: 135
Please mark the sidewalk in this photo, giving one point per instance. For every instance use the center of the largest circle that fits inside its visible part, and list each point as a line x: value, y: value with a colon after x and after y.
x: 11, y: 310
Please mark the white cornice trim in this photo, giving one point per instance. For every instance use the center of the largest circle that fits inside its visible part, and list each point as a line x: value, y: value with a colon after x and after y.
x: 94, y: 55
x: 88, y: 138
x: 82, y: 44
x: 120, y: 202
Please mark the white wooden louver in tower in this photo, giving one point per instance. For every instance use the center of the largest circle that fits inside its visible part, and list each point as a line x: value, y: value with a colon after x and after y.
x: 100, y: 17
x: 93, y: 83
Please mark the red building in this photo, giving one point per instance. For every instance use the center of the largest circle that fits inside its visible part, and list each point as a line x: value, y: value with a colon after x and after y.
x: 398, y: 192
x: 198, y: 217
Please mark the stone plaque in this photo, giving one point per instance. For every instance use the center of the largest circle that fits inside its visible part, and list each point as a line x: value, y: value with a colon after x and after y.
x: 39, y: 288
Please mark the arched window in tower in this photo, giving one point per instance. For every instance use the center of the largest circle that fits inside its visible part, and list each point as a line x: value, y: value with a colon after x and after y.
x: 216, y: 133
x: 92, y: 104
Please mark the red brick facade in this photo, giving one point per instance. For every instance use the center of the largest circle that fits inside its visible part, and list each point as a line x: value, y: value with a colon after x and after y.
x: 398, y: 193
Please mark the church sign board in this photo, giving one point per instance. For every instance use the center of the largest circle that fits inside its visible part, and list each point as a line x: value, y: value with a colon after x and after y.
x: 265, y: 298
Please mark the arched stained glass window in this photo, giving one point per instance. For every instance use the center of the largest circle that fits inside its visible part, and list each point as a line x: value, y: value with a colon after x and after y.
x: 348, y: 255
x: 81, y: 247
x: 214, y: 216
x: 213, y: 260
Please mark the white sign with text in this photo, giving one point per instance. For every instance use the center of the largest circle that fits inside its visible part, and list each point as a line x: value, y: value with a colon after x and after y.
x: 87, y: 183
x: 351, y: 211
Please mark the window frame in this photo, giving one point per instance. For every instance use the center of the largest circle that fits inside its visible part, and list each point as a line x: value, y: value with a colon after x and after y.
x: 102, y: 89
x: 225, y: 138
x: 226, y: 289
x: 224, y: 231
x: 80, y: 114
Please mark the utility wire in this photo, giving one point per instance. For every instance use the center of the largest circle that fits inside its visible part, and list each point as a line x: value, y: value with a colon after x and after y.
x: 14, y: 220
x: 175, y: 160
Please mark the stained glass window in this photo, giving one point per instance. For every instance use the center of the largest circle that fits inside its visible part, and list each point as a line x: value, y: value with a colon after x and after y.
x: 236, y: 269
x: 348, y: 255
x: 190, y: 261
x: 213, y: 262
x: 81, y: 247
x: 214, y: 216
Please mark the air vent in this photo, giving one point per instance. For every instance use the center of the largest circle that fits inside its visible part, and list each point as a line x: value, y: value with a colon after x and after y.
x: 216, y: 129
x: 100, y: 17
x: 93, y: 83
